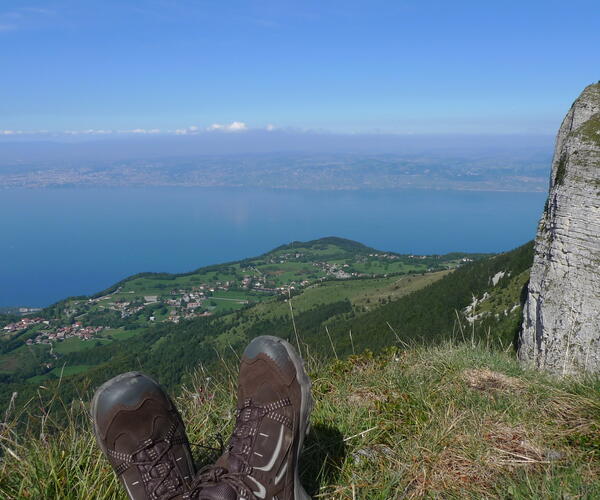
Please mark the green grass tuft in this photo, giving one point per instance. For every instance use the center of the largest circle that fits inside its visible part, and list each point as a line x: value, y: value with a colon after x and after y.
x: 561, y: 171
x: 590, y: 130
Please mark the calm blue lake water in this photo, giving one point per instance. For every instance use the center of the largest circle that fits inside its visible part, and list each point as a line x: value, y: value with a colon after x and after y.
x: 60, y: 242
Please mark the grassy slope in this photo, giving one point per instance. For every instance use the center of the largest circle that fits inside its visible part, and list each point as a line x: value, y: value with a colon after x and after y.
x: 363, y: 295
x: 449, y: 420
x: 433, y: 313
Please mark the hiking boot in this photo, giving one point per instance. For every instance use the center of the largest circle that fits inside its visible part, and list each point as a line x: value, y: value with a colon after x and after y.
x: 274, y: 404
x: 141, y: 433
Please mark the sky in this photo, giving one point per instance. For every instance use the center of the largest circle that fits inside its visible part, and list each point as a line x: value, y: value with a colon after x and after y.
x: 400, y: 67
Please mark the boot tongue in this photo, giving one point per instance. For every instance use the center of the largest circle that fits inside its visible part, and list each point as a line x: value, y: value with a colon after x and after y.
x: 234, y: 464
x: 230, y: 462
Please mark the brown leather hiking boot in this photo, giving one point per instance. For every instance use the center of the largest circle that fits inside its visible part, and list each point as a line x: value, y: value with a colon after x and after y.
x: 141, y: 433
x: 274, y: 404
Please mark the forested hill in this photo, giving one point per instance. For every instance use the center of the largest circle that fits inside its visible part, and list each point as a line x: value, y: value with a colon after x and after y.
x: 344, y: 244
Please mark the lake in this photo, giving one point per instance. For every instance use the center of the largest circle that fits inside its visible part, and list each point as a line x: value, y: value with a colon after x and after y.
x: 60, y: 242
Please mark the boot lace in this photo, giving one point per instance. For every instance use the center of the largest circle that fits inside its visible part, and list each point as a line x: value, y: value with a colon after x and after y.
x: 156, y: 466
x: 213, y: 475
x: 248, y: 418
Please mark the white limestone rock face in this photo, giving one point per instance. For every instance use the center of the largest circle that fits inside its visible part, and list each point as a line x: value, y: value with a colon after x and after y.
x: 561, y: 318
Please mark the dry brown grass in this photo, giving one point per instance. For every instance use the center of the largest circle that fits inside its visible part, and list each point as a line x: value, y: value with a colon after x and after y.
x: 511, y: 446
x: 486, y: 380
x: 365, y: 397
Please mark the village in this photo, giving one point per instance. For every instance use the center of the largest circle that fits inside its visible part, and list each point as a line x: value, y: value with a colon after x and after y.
x: 24, y: 323
x: 64, y: 332
x: 204, y: 299
x: 197, y: 301
x: 53, y: 334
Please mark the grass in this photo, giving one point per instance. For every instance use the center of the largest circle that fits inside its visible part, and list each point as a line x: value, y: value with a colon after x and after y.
x: 561, y: 170
x: 502, y: 299
x: 21, y: 356
x: 9, y: 362
x: 451, y: 421
x: 58, y: 372
x: 75, y: 344
x: 590, y: 130
x: 365, y: 291
x: 120, y: 334
x: 364, y: 294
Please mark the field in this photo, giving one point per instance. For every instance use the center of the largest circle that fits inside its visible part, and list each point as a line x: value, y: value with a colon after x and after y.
x: 22, y: 358
x: 59, y: 372
x: 119, y: 334
x: 366, y: 292
x: 364, y: 295
x: 75, y: 344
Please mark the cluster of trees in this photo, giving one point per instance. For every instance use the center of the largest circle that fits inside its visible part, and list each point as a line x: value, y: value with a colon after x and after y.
x: 5, y: 319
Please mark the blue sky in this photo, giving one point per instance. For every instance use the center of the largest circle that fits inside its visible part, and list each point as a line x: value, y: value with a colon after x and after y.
x: 406, y: 66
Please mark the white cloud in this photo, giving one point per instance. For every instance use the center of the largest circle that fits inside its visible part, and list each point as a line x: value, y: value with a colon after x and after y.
x: 90, y: 131
x: 23, y: 132
x: 192, y: 129
x: 141, y: 131
x: 232, y: 127
x: 237, y: 126
x: 270, y: 127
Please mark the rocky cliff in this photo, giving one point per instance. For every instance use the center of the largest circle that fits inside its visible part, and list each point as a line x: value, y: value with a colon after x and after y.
x: 561, y: 317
